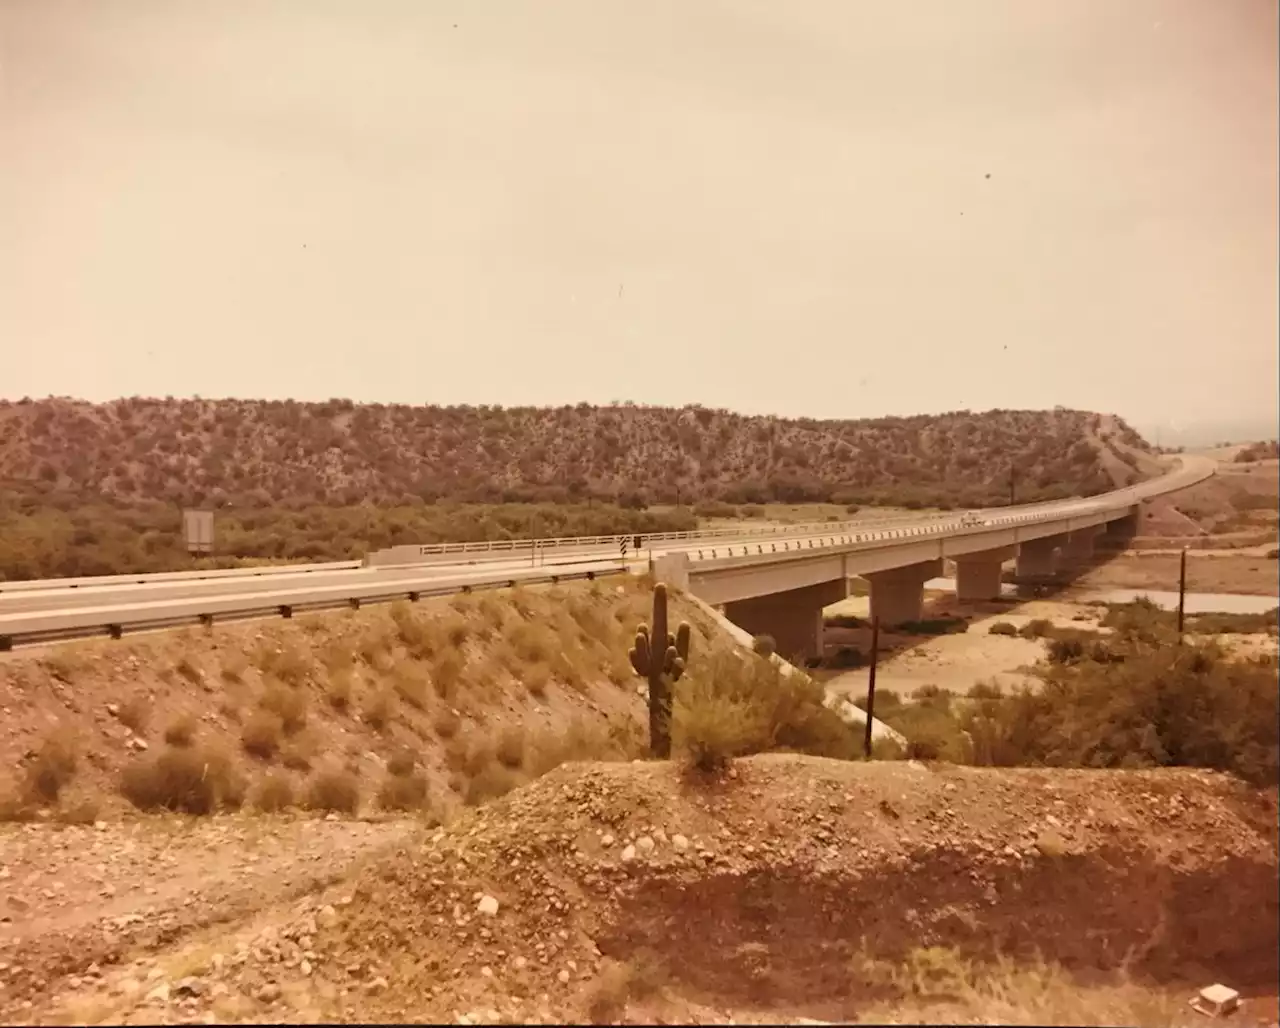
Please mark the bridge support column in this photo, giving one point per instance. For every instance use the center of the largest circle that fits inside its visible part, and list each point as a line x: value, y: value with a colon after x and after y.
x: 978, y: 574
x: 793, y: 618
x: 1078, y: 546
x: 1125, y: 528
x: 898, y: 595
x: 1038, y: 557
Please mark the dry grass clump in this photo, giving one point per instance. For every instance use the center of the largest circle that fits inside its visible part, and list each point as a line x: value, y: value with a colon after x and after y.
x: 618, y: 983
x: 532, y: 643
x: 297, y: 753
x: 333, y: 789
x: 188, y: 670
x: 181, y: 731
x: 402, y: 762
x: 510, y: 747
x: 199, y: 780
x: 234, y: 666
x: 489, y: 782
x: 938, y: 985
x: 262, y: 734
x: 1002, y: 628
x: 286, y: 663
x: 286, y: 702
x: 376, y: 645
x: 135, y: 713
x: 379, y: 710
x: 339, y: 688
x: 1037, y: 628
x: 446, y: 723
x: 447, y: 673
x: 44, y: 779
x: 54, y: 765
x: 411, y: 683
x: 274, y: 793
x: 403, y: 792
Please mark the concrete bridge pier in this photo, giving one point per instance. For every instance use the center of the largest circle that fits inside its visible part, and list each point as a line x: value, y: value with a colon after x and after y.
x: 793, y: 617
x: 1039, y: 557
x: 1077, y: 546
x: 978, y: 574
x: 897, y: 595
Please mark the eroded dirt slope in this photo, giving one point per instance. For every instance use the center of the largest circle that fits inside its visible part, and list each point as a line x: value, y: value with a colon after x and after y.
x: 634, y: 892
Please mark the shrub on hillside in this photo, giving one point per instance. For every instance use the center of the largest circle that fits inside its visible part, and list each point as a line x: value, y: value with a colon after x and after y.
x: 1163, y: 705
x: 1002, y: 628
x: 189, y: 781
x: 102, y: 485
x: 333, y: 789
x: 728, y: 706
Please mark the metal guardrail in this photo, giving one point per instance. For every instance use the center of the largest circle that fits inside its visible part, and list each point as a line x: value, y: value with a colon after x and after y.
x: 115, y: 620
x: 94, y: 581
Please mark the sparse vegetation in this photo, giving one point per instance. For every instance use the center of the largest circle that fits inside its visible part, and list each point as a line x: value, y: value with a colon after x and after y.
x: 135, y: 713
x: 379, y: 710
x: 101, y: 484
x: 1133, y: 699
x: 189, y: 781
x: 52, y: 767
x: 404, y: 792
x: 1269, y: 450
x: 333, y: 789
x: 181, y: 731
x: 262, y: 734
x: 1002, y: 628
x: 274, y: 793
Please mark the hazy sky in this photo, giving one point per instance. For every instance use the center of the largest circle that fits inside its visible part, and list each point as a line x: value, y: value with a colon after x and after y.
x: 805, y: 207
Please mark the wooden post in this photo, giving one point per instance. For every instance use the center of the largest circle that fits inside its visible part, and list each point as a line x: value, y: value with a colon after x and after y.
x: 871, y: 684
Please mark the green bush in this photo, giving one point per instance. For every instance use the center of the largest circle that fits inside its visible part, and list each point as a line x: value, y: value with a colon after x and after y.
x: 1158, y: 706
x: 1037, y: 628
x: 727, y: 707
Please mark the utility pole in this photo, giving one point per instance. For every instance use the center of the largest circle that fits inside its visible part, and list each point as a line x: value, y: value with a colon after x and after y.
x: 871, y: 684
x: 1182, y: 592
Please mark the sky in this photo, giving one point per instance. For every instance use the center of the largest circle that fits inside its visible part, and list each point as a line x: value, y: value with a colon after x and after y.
x: 824, y: 208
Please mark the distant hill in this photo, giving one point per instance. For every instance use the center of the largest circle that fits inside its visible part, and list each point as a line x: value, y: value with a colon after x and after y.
x: 254, y: 453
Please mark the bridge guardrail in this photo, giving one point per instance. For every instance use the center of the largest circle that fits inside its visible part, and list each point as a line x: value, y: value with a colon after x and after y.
x: 115, y: 620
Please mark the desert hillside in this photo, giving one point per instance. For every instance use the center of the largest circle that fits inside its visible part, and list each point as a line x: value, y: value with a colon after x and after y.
x: 282, y: 453
x: 262, y: 814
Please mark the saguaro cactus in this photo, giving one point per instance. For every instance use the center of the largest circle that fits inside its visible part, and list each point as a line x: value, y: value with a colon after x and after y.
x: 660, y: 657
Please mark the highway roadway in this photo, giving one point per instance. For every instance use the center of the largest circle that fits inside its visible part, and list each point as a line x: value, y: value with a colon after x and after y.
x: 31, y: 611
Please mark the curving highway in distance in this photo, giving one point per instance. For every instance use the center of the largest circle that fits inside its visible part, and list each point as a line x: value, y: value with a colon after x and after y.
x: 64, y: 608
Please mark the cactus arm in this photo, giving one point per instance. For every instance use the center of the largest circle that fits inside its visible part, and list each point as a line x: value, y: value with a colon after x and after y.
x: 683, y: 635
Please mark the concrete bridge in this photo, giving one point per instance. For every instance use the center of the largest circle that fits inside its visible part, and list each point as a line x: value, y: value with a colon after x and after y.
x: 782, y: 593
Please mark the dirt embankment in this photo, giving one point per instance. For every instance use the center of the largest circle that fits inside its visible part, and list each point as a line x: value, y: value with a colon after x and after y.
x: 475, y: 694
x: 1236, y: 507
x: 791, y: 887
